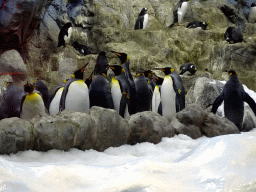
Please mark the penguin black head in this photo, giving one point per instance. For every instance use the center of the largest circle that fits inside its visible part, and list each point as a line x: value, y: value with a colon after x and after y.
x: 76, y: 45
x: 117, y: 69
x: 79, y: 74
x: 101, y: 63
x: 192, y: 69
x: 122, y: 56
x: 148, y: 73
x: 166, y: 70
x: 29, y: 88
x: 253, y: 5
x: 231, y: 72
x: 143, y: 11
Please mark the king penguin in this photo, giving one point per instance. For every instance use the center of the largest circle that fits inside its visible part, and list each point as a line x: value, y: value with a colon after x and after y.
x: 252, y: 14
x: 65, y: 34
x: 125, y: 61
x: 142, y: 20
x: 31, y: 103
x: 100, y: 90
x: 43, y: 89
x: 234, y: 96
x: 75, y: 95
x: 179, y: 11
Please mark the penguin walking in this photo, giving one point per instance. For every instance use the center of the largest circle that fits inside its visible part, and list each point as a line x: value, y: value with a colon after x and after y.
x: 125, y: 61
x: 65, y: 34
x: 43, y: 89
x: 142, y: 20
x: 188, y: 67
x: 233, y: 35
x: 83, y: 49
x: 179, y: 12
x: 10, y: 105
x: 100, y: 90
x: 198, y: 24
x: 252, y: 14
x: 31, y: 103
x: 234, y: 96
x: 75, y: 95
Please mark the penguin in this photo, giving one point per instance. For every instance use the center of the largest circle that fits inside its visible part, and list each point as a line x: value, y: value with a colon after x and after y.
x: 198, y: 24
x: 43, y: 89
x: 234, y: 95
x: 32, y: 103
x: 125, y: 61
x: 233, y: 35
x: 143, y: 95
x: 100, y: 90
x: 142, y: 20
x: 188, y: 67
x: 75, y: 95
x: 150, y: 77
x: 120, y: 91
x: 252, y: 14
x: 54, y: 99
x: 10, y: 105
x: 65, y: 34
x: 83, y: 49
x: 168, y: 94
x: 179, y: 11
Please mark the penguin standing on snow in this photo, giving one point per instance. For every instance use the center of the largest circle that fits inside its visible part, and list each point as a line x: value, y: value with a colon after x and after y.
x: 252, y: 14
x: 81, y: 48
x: 198, y: 24
x: 233, y: 35
x: 188, y: 67
x: 75, y: 95
x: 31, y: 103
x: 142, y: 20
x: 65, y: 34
x: 234, y: 96
x: 179, y: 11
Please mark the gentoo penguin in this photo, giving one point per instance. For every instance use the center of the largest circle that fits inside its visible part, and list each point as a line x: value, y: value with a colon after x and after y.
x: 142, y: 20
x: 54, y: 99
x: 179, y: 11
x: 234, y: 96
x: 198, y: 24
x: 188, y: 67
x: 65, y: 34
x: 31, y: 103
x: 252, y: 14
x: 125, y: 61
x: 168, y: 95
x: 83, y: 49
x: 40, y: 86
x: 143, y: 95
x: 75, y: 95
x: 233, y: 35
x: 120, y: 91
x: 100, y: 90
x: 10, y: 105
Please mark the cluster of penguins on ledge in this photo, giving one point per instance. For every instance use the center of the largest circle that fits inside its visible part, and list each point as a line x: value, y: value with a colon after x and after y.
x: 147, y: 92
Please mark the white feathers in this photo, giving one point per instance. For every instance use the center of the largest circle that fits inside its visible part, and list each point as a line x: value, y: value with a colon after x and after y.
x: 156, y: 99
x: 68, y: 37
x: 116, y: 94
x: 145, y: 22
x: 182, y: 11
x: 55, y: 103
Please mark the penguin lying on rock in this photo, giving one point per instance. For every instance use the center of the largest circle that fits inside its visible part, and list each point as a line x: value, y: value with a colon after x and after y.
x: 198, y: 24
x: 83, y: 49
x: 188, y: 67
x: 233, y: 35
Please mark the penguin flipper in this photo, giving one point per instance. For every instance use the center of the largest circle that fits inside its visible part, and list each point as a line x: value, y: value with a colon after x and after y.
x: 22, y: 101
x: 64, y: 94
x: 123, y: 103
x: 250, y: 101
x: 217, y: 102
x: 160, y: 108
x: 139, y: 23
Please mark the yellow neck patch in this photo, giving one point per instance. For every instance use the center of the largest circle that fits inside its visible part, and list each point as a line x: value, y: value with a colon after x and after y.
x: 104, y: 75
x: 32, y: 97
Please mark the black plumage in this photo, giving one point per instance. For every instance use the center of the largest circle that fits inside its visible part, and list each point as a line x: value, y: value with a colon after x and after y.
x: 141, y: 21
x: 233, y: 35
x: 196, y: 24
x: 188, y: 67
x: 83, y: 49
x: 63, y: 35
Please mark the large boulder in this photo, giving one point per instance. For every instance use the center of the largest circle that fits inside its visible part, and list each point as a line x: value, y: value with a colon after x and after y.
x: 149, y: 127
x: 15, y: 135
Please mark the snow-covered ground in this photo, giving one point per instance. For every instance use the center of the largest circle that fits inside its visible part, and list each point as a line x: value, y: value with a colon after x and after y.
x: 180, y: 164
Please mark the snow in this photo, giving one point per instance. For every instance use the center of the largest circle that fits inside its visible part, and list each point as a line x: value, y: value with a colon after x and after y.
x: 180, y: 164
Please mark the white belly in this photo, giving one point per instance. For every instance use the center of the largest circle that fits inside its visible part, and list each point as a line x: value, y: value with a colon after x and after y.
x: 252, y: 16
x: 77, y: 98
x: 156, y: 99
x: 116, y: 94
x: 168, y: 98
x: 126, y: 113
x: 182, y: 11
x: 68, y: 37
x: 55, y: 103
x: 33, y: 106
x: 145, y: 23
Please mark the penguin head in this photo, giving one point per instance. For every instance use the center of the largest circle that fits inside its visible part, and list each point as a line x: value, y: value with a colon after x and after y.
x: 148, y: 73
x: 29, y: 88
x: 232, y: 72
x: 253, y: 5
x: 79, y: 74
x: 117, y: 69
x: 143, y: 11
x: 101, y: 63
x: 192, y: 69
x: 122, y: 56
x: 166, y: 70
x: 76, y: 45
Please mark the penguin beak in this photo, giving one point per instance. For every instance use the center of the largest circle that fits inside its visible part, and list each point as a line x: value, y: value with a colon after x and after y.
x: 111, y: 67
x: 82, y: 70
x: 116, y: 53
x: 160, y: 69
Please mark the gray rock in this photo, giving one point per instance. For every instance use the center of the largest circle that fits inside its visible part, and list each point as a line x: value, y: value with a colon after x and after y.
x: 67, y: 66
x: 249, y: 121
x: 12, y: 63
x: 148, y: 126
x: 215, y: 125
x: 15, y: 135
x: 110, y: 129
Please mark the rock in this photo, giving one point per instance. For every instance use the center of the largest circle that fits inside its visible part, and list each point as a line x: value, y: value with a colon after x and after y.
x: 148, y: 126
x: 110, y: 129
x: 249, y: 121
x: 15, y: 135
x: 12, y: 63
x: 215, y: 125
x: 67, y: 67
x: 189, y: 130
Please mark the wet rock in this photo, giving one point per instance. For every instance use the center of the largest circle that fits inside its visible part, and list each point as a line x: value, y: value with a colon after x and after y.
x: 110, y: 129
x: 149, y: 127
x: 15, y: 135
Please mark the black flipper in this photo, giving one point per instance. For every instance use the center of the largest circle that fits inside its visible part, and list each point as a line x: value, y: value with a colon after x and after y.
x: 250, y: 101
x: 123, y: 104
x: 64, y: 94
x: 217, y: 102
x: 160, y: 108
